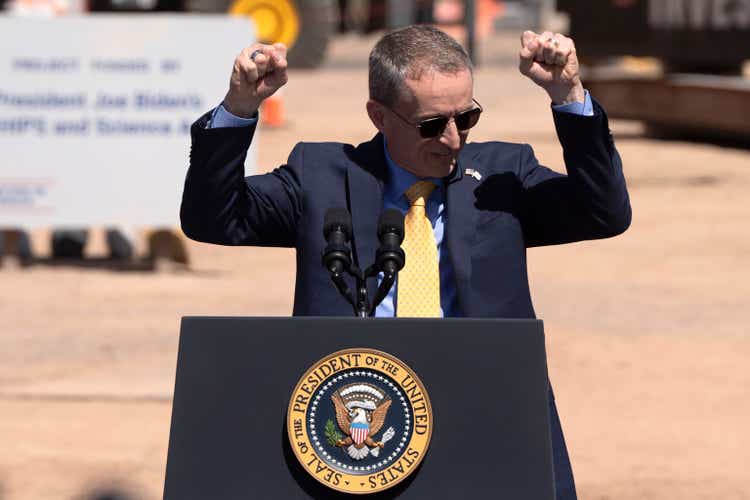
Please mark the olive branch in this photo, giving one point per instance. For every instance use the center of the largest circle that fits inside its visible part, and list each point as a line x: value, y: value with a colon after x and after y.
x: 332, y: 435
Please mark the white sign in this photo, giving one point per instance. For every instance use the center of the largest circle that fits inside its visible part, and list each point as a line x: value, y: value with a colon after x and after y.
x: 95, y: 113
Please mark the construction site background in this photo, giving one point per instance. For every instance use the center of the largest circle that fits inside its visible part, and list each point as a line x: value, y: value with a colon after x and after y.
x: 647, y: 333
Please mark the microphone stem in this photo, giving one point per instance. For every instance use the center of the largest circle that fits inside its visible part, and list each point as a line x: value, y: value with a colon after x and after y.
x: 343, y: 288
x: 385, y: 286
x: 362, y: 309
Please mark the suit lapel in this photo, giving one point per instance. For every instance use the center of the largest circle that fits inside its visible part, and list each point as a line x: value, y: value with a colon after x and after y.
x: 364, y: 198
x: 460, y: 227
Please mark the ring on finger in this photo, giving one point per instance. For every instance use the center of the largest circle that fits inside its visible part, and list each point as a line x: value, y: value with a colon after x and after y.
x: 254, y: 54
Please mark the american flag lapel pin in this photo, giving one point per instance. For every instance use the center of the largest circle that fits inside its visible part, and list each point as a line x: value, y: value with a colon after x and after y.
x: 473, y: 173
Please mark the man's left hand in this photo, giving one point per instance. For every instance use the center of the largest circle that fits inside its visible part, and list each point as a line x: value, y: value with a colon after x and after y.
x: 550, y: 61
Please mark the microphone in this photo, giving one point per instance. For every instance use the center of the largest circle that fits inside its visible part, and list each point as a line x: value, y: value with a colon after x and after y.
x: 337, y: 230
x: 337, y: 257
x: 389, y: 257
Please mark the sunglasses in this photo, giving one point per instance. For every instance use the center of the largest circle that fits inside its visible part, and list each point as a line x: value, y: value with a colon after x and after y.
x: 434, y: 126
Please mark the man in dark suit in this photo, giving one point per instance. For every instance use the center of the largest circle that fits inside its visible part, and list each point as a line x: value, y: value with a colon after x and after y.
x: 486, y: 204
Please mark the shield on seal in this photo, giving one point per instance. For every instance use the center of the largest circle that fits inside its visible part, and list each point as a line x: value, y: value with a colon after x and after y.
x: 359, y: 432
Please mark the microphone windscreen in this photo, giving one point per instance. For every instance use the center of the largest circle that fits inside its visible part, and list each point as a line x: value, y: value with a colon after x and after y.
x: 337, y: 218
x: 391, y: 221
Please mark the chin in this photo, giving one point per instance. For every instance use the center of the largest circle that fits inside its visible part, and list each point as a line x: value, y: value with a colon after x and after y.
x: 434, y: 166
x: 443, y: 168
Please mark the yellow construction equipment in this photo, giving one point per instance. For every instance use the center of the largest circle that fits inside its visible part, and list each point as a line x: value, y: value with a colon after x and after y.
x: 275, y: 20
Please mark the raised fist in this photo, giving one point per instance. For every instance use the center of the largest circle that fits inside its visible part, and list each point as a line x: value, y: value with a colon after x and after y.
x: 550, y: 61
x: 258, y: 72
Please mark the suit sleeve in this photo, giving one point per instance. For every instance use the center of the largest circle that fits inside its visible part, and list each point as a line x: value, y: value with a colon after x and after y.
x: 591, y: 201
x: 220, y: 205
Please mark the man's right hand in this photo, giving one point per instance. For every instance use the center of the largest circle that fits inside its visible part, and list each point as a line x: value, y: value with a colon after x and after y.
x: 254, y: 80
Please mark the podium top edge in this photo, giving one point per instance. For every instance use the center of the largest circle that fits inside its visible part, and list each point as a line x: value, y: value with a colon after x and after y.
x: 352, y: 318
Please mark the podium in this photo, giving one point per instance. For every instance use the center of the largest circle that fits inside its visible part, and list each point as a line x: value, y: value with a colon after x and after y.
x: 486, y: 380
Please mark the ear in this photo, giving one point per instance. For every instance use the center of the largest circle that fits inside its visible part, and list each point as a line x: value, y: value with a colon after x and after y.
x: 376, y: 113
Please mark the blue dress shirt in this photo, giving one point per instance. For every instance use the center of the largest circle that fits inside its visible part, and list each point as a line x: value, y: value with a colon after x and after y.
x: 398, y: 181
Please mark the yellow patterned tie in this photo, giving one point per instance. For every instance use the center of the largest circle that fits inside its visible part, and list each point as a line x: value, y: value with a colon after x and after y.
x: 419, y: 280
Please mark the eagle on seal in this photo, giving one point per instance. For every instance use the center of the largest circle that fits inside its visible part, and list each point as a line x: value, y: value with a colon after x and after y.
x: 361, y: 409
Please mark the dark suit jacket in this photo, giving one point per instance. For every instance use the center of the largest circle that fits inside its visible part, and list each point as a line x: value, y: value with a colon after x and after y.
x: 489, y: 224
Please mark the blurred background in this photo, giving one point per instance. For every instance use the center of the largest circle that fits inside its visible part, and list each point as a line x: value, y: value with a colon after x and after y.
x: 647, y: 333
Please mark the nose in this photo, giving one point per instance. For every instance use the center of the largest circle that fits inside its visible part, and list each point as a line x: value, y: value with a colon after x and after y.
x: 450, y: 136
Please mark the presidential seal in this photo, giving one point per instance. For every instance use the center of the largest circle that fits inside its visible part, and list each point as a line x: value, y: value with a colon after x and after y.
x: 359, y: 421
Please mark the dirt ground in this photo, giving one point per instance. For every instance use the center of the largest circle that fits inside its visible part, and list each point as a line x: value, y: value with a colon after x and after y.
x: 647, y: 333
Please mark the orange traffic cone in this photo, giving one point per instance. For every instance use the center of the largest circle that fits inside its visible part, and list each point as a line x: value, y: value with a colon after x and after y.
x: 272, y: 111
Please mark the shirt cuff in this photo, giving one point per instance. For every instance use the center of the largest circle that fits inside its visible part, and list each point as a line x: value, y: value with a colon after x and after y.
x: 586, y: 108
x: 221, y: 118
